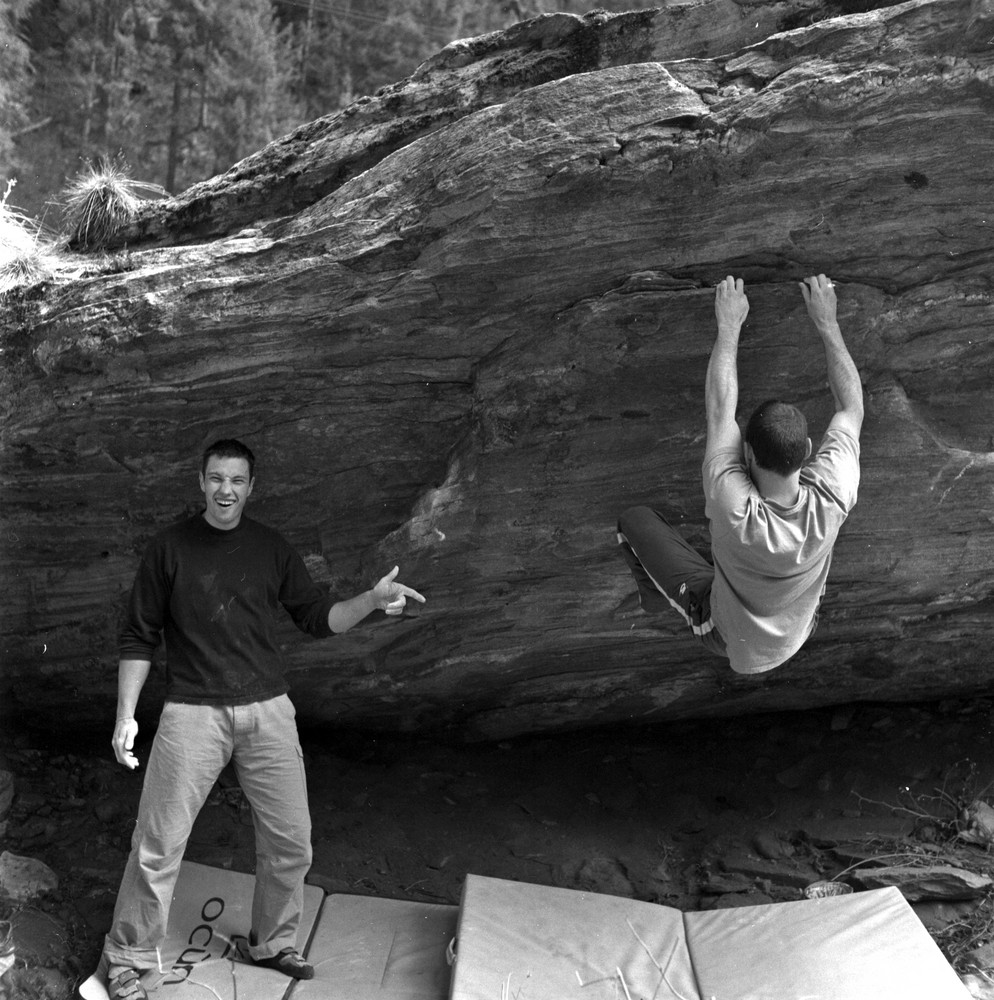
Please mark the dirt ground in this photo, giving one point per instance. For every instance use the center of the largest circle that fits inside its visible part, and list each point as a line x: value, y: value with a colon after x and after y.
x: 693, y: 815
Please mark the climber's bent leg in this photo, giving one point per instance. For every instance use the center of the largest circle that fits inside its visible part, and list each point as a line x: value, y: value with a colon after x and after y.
x: 668, y: 571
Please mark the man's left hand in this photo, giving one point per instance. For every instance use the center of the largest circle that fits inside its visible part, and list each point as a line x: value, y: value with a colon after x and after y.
x: 391, y: 596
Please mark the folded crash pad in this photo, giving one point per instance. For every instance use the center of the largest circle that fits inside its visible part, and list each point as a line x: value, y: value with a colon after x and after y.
x: 517, y: 940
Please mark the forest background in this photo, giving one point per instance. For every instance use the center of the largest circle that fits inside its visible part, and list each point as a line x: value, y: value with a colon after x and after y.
x: 179, y: 90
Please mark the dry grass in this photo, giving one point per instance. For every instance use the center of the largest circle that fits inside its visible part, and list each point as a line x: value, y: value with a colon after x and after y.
x: 97, y: 203
x: 26, y: 256
x: 960, y: 938
x: 100, y: 200
x: 957, y: 810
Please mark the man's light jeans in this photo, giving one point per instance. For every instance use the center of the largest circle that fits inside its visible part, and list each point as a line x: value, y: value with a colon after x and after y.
x: 192, y: 745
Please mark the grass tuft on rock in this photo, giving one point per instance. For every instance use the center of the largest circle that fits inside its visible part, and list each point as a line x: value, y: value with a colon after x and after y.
x: 100, y: 201
x: 26, y: 257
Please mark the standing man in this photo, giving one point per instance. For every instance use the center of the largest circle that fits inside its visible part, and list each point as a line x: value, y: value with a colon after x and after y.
x: 774, y: 516
x: 212, y: 586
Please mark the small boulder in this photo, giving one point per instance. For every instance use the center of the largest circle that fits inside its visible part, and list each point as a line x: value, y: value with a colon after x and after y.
x: 933, y: 882
x: 39, y: 939
x: 22, y: 878
x: 977, y: 825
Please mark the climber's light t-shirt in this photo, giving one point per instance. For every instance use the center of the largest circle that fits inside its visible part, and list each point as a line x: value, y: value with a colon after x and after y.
x: 770, y: 561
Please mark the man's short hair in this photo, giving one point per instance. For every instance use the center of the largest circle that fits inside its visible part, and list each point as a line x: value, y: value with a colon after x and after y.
x: 228, y: 448
x: 778, y: 435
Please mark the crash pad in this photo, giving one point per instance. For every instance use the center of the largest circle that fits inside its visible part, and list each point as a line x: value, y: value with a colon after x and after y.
x: 521, y: 940
x: 368, y: 948
x: 209, y: 918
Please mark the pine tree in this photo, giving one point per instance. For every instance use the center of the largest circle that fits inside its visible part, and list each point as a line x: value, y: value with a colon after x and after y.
x: 86, y: 61
x: 222, y: 74
x: 249, y: 77
x: 14, y: 79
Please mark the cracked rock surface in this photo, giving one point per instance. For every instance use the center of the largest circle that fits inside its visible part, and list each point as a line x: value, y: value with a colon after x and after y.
x: 465, y: 322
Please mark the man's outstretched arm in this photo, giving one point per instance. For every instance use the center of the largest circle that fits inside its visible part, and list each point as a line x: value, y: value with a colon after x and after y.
x: 721, y: 388
x: 388, y: 595
x: 843, y: 377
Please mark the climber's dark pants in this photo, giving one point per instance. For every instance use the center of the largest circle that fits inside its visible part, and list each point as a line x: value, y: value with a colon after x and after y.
x: 669, y: 573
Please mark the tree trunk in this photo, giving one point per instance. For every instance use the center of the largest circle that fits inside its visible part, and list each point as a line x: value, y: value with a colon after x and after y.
x: 175, y: 124
x: 88, y: 105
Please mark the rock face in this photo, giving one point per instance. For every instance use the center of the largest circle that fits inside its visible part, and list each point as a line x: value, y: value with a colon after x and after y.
x: 466, y: 322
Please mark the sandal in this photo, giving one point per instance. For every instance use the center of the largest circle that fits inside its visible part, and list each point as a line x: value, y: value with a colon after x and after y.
x: 289, y: 962
x: 127, y: 985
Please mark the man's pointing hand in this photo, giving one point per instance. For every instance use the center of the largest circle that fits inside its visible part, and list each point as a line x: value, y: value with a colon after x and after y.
x: 391, y: 596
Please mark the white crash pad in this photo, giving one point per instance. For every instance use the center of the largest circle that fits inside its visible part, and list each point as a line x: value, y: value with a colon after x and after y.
x: 210, y: 916
x: 366, y: 948
x: 521, y: 940
x: 869, y: 944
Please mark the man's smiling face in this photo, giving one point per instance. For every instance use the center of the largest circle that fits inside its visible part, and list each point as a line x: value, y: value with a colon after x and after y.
x: 226, y: 485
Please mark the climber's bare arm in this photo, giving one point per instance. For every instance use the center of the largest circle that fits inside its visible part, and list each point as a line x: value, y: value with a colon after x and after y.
x: 721, y: 388
x: 843, y: 377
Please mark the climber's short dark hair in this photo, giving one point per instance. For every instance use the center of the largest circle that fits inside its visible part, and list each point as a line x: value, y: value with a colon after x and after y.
x: 777, y: 432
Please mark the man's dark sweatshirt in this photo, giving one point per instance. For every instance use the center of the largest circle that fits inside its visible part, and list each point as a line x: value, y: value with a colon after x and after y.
x: 215, y: 596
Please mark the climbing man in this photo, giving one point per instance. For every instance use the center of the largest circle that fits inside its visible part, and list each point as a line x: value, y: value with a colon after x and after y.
x: 212, y: 586
x: 774, y: 511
